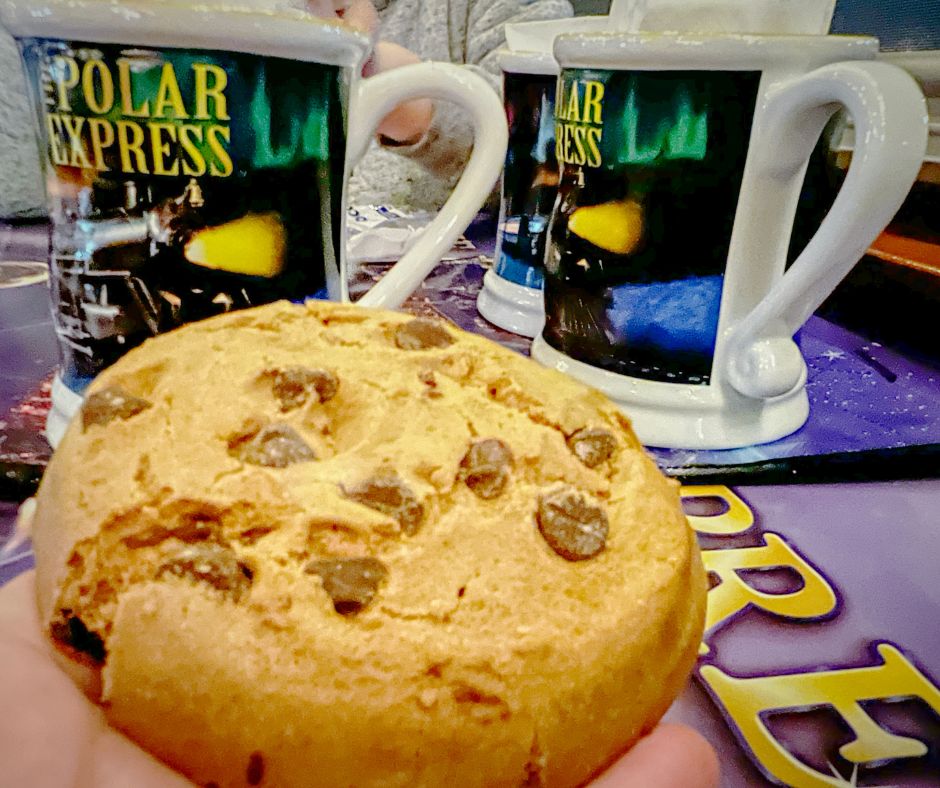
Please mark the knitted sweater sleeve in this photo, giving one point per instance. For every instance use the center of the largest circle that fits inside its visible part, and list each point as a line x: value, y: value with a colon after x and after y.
x: 476, y: 32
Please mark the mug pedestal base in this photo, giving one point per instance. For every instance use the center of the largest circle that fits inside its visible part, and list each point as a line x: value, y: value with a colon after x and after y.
x: 65, y: 404
x: 676, y: 416
x: 510, y: 306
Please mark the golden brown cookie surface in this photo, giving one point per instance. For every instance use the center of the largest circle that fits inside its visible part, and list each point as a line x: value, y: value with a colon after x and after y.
x: 327, y: 546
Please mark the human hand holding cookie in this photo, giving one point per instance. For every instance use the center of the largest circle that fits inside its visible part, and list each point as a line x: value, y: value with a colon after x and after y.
x: 52, y: 736
x: 320, y: 545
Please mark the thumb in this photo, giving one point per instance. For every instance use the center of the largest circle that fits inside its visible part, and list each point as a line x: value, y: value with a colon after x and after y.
x: 672, y: 756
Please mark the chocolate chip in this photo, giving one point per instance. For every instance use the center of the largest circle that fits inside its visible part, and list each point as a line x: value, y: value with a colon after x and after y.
x: 254, y: 774
x: 390, y: 495
x: 273, y: 446
x: 251, y: 535
x: 194, y: 527
x: 422, y: 333
x: 592, y: 445
x: 147, y: 538
x: 210, y: 563
x: 294, y: 385
x: 573, y: 528
x: 71, y: 631
x: 350, y: 582
x: 534, y: 766
x: 111, y: 403
x: 485, y: 467
x: 485, y: 705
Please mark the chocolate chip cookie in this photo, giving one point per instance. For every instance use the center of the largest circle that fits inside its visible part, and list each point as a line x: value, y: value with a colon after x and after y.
x: 326, y: 546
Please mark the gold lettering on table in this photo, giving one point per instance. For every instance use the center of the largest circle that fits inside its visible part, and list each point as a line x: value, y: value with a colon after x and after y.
x: 732, y: 594
x: 748, y: 700
x: 737, y: 519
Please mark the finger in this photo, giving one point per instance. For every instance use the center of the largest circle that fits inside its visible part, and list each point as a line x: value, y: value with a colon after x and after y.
x: 55, y: 737
x: 50, y: 735
x: 46, y: 722
x: 45, y: 714
x: 361, y: 15
x: 19, y: 624
x: 388, y: 55
x: 672, y: 756
x: 19, y: 616
x: 409, y: 120
x: 117, y: 763
x: 325, y: 9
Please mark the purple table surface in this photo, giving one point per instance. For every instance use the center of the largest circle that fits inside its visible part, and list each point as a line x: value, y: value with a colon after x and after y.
x: 844, y: 568
x: 28, y: 349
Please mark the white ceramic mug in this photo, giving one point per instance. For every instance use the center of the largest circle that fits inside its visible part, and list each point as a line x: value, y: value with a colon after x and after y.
x: 511, y: 296
x: 196, y: 160
x: 683, y: 161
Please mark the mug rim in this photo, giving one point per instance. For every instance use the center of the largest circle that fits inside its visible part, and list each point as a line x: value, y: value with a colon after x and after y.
x: 514, y: 61
x: 707, y: 51
x: 285, y: 33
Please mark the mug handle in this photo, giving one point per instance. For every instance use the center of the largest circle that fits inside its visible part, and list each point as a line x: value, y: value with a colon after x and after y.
x: 761, y: 359
x: 374, y: 97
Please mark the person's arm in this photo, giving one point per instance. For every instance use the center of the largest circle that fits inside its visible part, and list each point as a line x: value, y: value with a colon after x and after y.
x: 444, y: 144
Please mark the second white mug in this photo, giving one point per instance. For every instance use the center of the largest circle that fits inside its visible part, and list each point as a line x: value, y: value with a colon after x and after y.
x: 683, y: 157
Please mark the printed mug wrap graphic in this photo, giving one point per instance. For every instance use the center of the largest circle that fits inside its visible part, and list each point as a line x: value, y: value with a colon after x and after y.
x: 652, y: 164
x: 181, y: 184
x: 530, y: 178
x: 607, y: 118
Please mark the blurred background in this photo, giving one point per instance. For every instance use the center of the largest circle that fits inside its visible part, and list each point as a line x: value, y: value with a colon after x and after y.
x: 900, y: 24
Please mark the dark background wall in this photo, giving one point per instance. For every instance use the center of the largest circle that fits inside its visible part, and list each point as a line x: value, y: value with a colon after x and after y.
x: 900, y: 24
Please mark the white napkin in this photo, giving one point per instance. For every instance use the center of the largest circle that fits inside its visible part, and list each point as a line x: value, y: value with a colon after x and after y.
x: 379, y: 234
x: 795, y: 17
x: 540, y: 36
